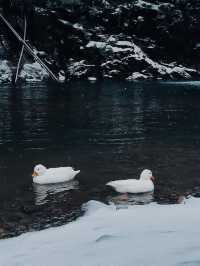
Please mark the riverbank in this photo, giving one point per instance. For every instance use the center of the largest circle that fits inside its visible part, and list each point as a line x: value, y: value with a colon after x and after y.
x: 141, y: 40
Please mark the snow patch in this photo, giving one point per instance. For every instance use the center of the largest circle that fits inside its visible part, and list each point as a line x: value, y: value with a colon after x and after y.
x: 125, y: 43
x: 5, y: 72
x: 99, y: 45
x: 92, y: 79
x: 61, y: 76
x: 108, y: 47
x: 65, y: 22
x: 78, y: 26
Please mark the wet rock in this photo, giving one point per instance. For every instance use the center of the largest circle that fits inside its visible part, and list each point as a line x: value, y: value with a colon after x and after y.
x: 30, y: 209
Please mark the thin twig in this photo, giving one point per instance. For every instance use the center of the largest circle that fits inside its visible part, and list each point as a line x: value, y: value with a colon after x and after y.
x: 22, y: 51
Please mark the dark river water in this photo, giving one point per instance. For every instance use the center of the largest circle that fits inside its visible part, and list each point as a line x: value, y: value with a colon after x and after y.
x: 109, y: 130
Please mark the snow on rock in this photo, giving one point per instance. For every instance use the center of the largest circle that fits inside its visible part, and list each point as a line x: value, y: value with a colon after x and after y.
x: 125, y: 43
x: 65, y: 22
x: 147, y: 235
x: 122, y: 56
x: 111, y: 39
x: 99, y: 45
x: 147, y: 5
x: 119, y: 49
x: 78, y: 69
x: 30, y: 72
x: 76, y: 26
x: 5, y: 72
x: 137, y: 76
x: 33, y: 73
x: 108, y: 47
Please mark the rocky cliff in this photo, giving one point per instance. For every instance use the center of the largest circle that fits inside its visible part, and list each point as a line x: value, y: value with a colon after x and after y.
x: 101, y: 39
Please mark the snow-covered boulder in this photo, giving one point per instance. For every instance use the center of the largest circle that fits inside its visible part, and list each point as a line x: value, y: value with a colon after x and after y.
x: 33, y: 73
x: 125, y: 59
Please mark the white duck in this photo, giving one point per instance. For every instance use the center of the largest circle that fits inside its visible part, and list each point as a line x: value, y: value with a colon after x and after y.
x: 42, y: 175
x: 142, y: 185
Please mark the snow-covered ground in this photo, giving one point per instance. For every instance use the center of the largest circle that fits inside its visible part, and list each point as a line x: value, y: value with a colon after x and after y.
x: 105, y: 236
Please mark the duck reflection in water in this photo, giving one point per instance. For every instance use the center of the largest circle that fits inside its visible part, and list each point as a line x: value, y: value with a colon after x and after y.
x: 127, y: 199
x: 42, y: 192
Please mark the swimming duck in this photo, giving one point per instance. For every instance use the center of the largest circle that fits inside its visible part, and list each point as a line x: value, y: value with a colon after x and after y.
x: 42, y: 175
x: 142, y: 185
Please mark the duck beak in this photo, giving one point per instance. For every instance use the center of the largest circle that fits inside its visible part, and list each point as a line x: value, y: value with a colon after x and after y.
x: 34, y: 174
x: 152, y: 178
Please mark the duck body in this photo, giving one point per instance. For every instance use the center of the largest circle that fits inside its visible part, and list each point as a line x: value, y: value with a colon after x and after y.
x: 142, y: 185
x: 132, y: 186
x: 54, y: 175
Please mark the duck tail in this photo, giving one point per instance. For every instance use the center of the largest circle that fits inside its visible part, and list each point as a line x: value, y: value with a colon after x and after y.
x: 109, y: 184
x: 77, y: 172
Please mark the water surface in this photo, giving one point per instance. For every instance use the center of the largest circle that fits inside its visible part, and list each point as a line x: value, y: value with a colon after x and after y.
x: 109, y: 130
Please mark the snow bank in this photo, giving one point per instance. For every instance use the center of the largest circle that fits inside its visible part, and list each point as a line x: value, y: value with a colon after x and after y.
x: 147, y: 235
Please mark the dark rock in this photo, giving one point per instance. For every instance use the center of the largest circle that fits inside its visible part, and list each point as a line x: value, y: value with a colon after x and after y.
x: 30, y: 209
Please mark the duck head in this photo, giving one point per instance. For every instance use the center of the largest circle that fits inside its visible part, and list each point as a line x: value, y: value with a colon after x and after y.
x: 147, y: 175
x: 39, y: 170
